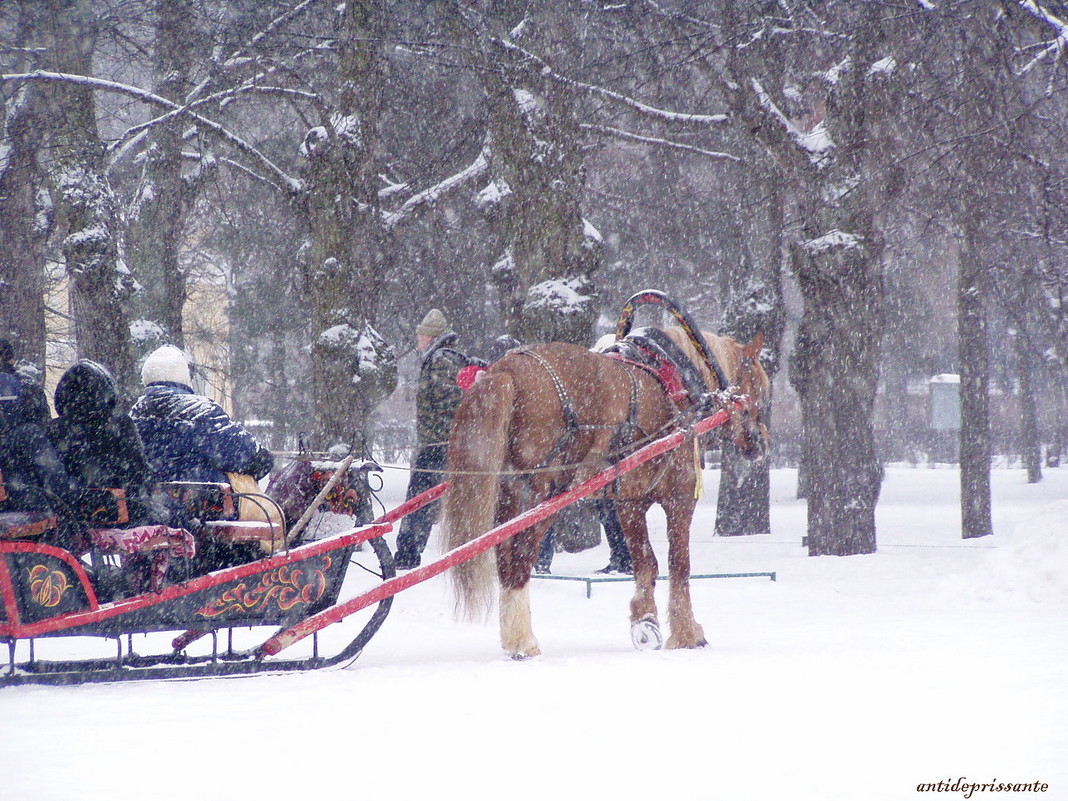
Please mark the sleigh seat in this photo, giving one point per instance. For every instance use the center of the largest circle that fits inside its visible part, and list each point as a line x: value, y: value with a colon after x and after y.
x: 18, y: 525
x: 144, y: 552
x: 218, y: 508
x: 25, y: 525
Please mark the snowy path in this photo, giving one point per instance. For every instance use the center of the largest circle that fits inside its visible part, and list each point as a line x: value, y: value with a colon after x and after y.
x: 855, y: 678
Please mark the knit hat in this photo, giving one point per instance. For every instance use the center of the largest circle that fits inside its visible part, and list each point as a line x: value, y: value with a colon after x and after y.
x: 166, y: 363
x: 433, y: 325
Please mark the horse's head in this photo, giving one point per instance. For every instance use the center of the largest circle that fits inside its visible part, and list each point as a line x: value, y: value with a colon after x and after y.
x: 738, y: 365
x: 746, y: 427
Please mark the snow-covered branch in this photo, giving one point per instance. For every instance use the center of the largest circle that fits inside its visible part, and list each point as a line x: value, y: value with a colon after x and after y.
x: 652, y: 140
x: 475, y: 169
x: 219, y: 97
x: 664, y: 115
x: 1059, y: 26
x: 678, y: 16
x: 236, y: 165
x: 238, y: 55
x: 291, y: 185
x: 1055, y: 48
x: 816, y: 143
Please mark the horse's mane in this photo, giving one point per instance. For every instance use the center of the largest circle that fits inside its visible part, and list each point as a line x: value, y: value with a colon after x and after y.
x: 723, y: 349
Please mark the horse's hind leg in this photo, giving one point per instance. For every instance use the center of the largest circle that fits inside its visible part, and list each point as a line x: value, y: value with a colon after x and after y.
x: 517, y: 637
x: 515, y: 562
x: 644, y: 623
x: 686, y: 632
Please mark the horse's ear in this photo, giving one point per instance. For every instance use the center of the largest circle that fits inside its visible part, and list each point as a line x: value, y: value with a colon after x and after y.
x: 752, y: 350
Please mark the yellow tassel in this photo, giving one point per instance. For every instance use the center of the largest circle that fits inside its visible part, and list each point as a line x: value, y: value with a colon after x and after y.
x: 699, y: 479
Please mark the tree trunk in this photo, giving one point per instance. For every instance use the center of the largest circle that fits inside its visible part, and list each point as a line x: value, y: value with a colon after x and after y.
x: 85, y: 206
x: 158, y: 218
x: 755, y: 305
x: 842, y: 291
x: 353, y: 367
x: 1030, y: 439
x: 829, y: 146
x: 838, y: 264
x: 550, y: 255
x: 981, y: 165
x: 975, y: 448
x: 23, y: 224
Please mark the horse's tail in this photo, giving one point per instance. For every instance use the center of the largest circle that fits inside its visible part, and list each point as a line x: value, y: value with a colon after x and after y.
x: 477, y: 451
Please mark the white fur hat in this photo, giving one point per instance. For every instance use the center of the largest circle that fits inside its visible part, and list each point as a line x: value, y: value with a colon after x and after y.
x: 166, y: 363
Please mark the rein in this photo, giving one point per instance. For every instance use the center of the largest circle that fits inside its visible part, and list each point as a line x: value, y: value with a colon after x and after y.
x: 678, y: 423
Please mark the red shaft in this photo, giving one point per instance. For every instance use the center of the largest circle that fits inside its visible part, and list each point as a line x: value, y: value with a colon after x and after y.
x: 486, y: 541
x: 416, y: 502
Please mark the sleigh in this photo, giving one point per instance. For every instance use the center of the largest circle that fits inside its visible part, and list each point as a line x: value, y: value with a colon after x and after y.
x: 48, y: 594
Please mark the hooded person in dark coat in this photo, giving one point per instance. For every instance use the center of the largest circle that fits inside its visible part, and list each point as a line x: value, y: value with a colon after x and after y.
x: 188, y: 437
x: 34, y: 477
x: 98, y: 444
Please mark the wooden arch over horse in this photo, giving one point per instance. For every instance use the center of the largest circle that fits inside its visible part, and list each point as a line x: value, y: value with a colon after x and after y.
x: 546, y: 417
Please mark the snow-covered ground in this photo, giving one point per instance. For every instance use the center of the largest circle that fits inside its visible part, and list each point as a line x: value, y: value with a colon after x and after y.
x: 853, y: 678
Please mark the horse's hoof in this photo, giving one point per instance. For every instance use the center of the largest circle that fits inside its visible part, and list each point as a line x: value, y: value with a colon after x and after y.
x: 698, y: 643
x: 646, y: 636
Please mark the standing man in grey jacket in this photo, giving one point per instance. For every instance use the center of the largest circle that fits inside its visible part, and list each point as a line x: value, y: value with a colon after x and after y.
x: 436, y: 400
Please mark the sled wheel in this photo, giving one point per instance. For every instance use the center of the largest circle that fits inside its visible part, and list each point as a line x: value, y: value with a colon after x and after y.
x: 646, y: 636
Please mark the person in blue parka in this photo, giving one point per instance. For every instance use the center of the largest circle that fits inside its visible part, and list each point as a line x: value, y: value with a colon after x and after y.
x: 186, y: 436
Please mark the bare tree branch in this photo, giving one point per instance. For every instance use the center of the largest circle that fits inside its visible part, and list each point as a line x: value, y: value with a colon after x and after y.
x: 664, y: 115
x: 1054, y: 49
x: 652, y: 140
x: 237, y: 56
x: 291, y: 185
x: 476, y: 168
x: 223, y: 96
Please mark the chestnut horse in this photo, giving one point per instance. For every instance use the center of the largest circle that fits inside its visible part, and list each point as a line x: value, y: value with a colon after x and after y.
x: 549, y: 416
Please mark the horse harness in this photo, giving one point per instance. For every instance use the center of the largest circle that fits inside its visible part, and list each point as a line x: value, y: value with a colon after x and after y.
x: 648, y: 349
x: 572, y: 427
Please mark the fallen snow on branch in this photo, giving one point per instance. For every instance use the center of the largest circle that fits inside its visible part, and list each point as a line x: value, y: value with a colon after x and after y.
x: 569, y: 296
x: 834, y: 240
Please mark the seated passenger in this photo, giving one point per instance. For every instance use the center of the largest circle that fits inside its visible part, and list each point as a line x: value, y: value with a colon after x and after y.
x: 188, y: 437
x: 99, y: 445
x: 34, y: 477
x: 101, y: 449
x: 10, y: 385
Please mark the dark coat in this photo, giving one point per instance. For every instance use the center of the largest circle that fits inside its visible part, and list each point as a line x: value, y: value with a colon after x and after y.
x: 188, y: 437
x: 34, y: 477
x: 438, y: 395
x: 99, y: 445
x: 10, y: 392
